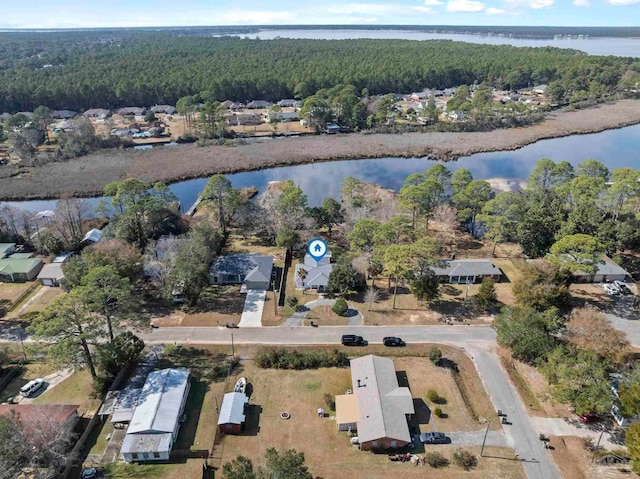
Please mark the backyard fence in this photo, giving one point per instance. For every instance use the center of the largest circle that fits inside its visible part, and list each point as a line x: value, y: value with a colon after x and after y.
x: 283, y: 277
x: 72, y: 466
x: 13, y: 372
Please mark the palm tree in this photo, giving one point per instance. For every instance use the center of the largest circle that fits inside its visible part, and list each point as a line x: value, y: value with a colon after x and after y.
x: 302, y: 275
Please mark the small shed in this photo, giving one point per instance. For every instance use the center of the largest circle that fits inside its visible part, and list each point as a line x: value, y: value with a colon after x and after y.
x: 93, y: 236
x: 232, y: 416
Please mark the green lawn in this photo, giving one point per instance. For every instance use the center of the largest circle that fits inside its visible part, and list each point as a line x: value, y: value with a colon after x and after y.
x: 76, y: 389
x: 30, y: 371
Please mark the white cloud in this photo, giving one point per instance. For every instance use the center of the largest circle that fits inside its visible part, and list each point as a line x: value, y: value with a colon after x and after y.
x: 495, y: 11
x: 581, y: 3
x: 623, y: 2
x: 424, y: 9
x: 535, y: 4
x: 362, y: 8
x: 431, y: 3
x: 464, y: 6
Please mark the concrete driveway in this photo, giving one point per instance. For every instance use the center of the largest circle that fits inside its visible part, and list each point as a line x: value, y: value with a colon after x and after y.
x: 252, y: 310
x: 475, y: 438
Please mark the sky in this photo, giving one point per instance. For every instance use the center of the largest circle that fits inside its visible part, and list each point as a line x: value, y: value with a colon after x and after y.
x: 128, y: 13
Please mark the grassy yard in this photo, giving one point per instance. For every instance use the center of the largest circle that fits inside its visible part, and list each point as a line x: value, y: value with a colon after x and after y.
x: 31, y: 370
x: 269, y: 316
x: 455, y: 303
x: 217, y: 305
x: 12, y: 291
x: 76, y: 389
x: 43, y: 300
x: 324, y: 316
x: 327, y: 451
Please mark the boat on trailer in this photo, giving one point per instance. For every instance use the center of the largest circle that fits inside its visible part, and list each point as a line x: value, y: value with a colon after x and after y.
x: 241, y: 386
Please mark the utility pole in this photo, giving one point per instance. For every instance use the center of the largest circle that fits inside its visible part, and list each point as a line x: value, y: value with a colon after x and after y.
x: 485, y: 437
x: 233, y: 350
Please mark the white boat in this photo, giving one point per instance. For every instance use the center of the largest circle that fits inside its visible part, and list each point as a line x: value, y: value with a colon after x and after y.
x: 241, y: 386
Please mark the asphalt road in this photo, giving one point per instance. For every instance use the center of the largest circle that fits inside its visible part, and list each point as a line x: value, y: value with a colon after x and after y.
x: 454, y: 335
x: 477, y: 341
x: 520, y: 432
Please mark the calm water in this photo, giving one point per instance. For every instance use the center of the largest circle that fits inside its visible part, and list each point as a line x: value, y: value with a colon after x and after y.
x: 622, y: 47
x: 505, y: 169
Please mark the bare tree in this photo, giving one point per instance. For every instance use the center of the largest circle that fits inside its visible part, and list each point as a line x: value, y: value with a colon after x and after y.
x: 589, y: 329
x: 372, y: 295
x: 70, y: 213
x: 447, y: 218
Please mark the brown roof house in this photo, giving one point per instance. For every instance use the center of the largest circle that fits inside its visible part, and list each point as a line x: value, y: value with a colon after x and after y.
x: 377, y: 407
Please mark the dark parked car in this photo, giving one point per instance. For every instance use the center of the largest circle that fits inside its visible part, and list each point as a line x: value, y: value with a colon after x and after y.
x: 391, y: 341
x: 589, y: 418
x: 353, y: 340
x: 434, y: 438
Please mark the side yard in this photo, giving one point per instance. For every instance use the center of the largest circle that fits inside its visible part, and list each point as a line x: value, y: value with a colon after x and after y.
x: 300, y: 393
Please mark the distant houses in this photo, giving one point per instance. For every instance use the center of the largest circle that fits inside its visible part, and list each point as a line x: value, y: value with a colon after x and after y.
x: 63, y: 114
x: 98, y: 113
x: 376, y: 407
x: 607, y: 270
x: 282, y: 116
x: 258, y: 104
x: 165, y: 109
x: 132, y: 110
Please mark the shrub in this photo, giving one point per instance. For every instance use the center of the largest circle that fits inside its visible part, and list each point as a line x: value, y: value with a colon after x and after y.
x: 465, y: 459
x: 432, y: 395
x: 292, y: 301
x: 436, y: 460
x: 438, y: 412
x: 340, y: 307
x: 280, y: 358
x: 329, y: 400
x: 435, y: 355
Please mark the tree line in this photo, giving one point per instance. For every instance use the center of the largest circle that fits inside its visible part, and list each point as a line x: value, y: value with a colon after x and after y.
x: 161, y: 68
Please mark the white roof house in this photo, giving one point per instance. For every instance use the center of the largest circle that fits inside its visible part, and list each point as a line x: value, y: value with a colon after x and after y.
x: 93, y: 235
x: 317, y: 273
x: 232, y: 409
x: 155, y: 422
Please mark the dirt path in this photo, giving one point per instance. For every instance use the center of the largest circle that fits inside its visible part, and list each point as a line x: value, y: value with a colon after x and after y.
x: 86, y: 176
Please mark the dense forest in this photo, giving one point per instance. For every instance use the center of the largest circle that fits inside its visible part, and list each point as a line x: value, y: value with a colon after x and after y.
x: 108, y: 69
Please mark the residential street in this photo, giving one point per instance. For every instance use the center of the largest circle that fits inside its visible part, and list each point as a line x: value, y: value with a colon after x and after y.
x: 454, y: 335
x: 520, y: 432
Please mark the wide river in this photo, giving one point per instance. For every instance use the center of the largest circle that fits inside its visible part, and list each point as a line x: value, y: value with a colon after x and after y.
x: 622, y: 47
x: 506, y: 170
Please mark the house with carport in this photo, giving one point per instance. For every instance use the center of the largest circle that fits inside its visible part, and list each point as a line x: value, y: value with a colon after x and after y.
x: 157, y: 417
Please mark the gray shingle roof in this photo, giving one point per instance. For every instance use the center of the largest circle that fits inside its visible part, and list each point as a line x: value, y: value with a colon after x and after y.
x: 383, y: 404
x: 466, y: 267
x: 254, y: 267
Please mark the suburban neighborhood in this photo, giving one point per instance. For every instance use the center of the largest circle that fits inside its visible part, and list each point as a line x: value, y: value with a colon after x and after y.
x: 254, y: 324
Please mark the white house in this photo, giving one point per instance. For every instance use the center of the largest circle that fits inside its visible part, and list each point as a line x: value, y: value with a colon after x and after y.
x: 156, y: 420
x: 313, y: 274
